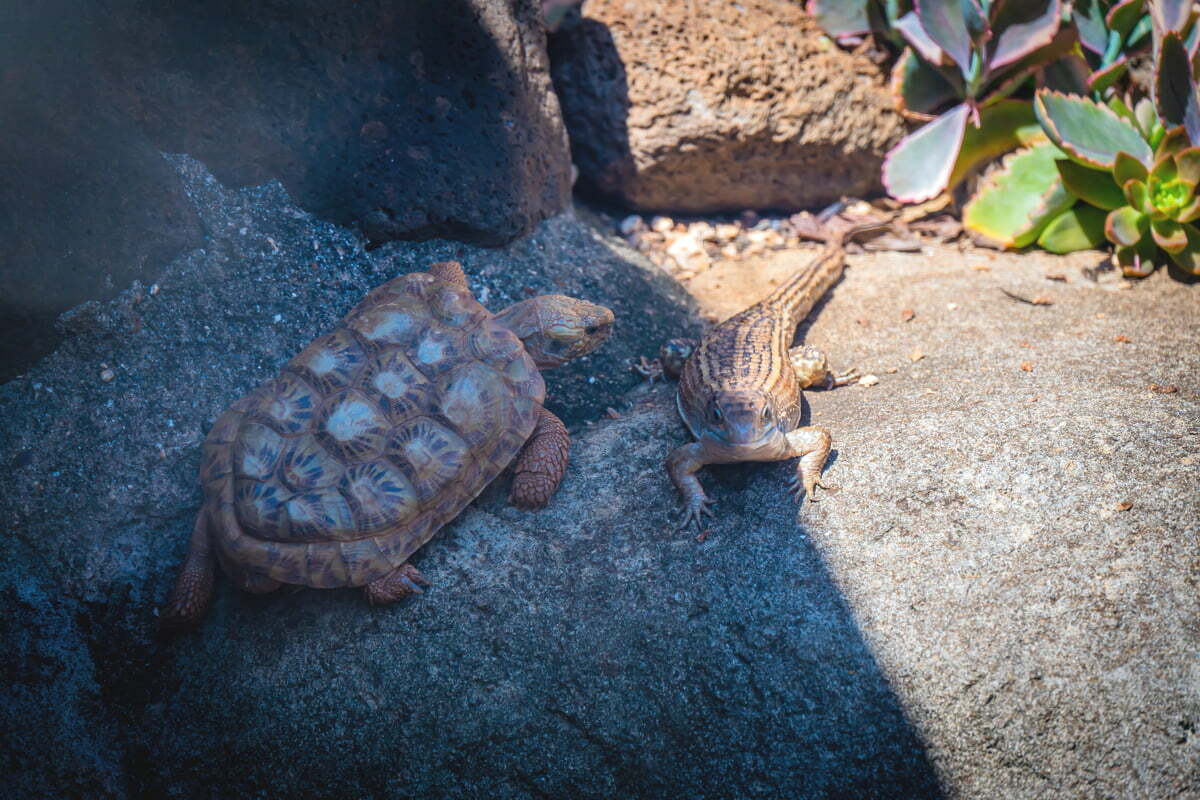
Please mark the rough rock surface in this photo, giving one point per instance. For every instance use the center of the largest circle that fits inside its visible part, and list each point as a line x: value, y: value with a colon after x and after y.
x: 411, y: 120
x: 971, y: 615
x: 719, y: 106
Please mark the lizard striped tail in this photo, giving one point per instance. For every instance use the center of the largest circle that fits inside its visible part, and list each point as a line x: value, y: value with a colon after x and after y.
x: 798, y: 296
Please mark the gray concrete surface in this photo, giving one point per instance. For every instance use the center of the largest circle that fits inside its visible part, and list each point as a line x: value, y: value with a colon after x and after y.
x: 969, y: 615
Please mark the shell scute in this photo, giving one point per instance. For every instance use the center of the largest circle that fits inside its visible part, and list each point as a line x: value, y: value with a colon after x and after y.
x: 320, y: 515
x: 256, y: 451
x: 403, y: 389
x: 261, y: 508
x: 380, y: 496
x: 351, y: 426
x: 289, y: 405
x: 305, y: 464
x: 333, y: 361
x: 434, y: 454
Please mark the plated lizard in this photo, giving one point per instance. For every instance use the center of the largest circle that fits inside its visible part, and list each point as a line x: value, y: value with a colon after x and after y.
x: 739, y: 390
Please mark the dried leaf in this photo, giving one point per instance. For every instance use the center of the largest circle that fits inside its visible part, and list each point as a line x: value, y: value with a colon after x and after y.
x: 907, y: 315
x: 1056, y: 276
x: 868, y: 380
x: 1164, y: 389
x: 1042, y: 300
x: 1124, y: 506
x: 1123, y: 339
x: 916, y: 355
x: 1027, y: 366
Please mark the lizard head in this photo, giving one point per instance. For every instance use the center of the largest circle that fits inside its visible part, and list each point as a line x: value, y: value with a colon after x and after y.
x: 556, y: 329
x: 741, y: 416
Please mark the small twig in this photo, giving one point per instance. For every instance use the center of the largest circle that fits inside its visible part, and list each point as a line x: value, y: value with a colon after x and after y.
x: 1037, y: 301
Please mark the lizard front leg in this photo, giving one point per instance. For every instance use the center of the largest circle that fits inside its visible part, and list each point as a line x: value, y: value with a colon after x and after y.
x: 682, y: 465
x: 811, y: 445
x: 812, y: 369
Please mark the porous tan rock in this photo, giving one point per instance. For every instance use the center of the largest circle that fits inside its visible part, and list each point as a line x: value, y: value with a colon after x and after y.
x: 719, y: 106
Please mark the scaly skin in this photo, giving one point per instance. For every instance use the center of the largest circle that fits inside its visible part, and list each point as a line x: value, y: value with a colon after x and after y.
x: 739, y: 392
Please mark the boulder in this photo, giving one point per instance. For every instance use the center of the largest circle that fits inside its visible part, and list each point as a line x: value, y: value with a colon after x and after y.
x: 745, y: 105
x: 408, y: 120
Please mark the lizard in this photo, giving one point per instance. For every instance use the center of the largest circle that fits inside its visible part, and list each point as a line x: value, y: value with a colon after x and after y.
x: 740, y: 388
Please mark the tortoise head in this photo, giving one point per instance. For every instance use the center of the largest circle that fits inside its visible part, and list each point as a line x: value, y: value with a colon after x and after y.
x: 556, y: 329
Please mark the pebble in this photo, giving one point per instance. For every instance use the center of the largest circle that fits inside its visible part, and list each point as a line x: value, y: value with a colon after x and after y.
x: 632, y: 224
x: 661, y: 224
x: 868, y: 380
x: 106, y: 373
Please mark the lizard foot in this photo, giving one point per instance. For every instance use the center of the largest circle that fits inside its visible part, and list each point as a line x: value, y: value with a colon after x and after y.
x: 696, y: 509
x: 799, y: 489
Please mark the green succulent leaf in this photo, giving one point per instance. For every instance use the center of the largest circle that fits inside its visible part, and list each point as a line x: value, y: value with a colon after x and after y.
x: 1103, y: 78
x: 1022, y: 28
x: 1188, y: 258
x: 1187, y: 162
x: 1123, y: 16
x: 1175, y: 91
x: 919, y: 166
x: 1127, y: 168
x: 1068, y: 74
x: 1118, y: 107
x: 841, y: 17
x: 1093, y: 186
x: 1139, y: 260
x: 920, y: 87
x: 910, y: 28
x: 1002, y: 127
x: 1145, y: 116
x: 1077, y: 228
x: 1126, y: 226
x: 1171, y: 15
x: 1173, y: 141
x: 945, y: 23
x: 1089, y: 133
x: 1016, y: 202
x: 1138, y: 196
x: 1088, y: 16
x: 1168, y: 234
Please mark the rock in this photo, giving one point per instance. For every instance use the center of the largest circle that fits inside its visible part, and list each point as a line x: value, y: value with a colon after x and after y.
x: 745, y: 105
x: 969, y: 615
x: 409, y: 120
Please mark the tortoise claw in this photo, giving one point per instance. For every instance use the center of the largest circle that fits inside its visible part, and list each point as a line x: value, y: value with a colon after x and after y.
x: 401, y: 582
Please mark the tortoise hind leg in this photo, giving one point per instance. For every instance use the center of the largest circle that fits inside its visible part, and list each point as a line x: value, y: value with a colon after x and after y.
x: 396, y: 585
x: 193, y: 588
x: 542, y: 463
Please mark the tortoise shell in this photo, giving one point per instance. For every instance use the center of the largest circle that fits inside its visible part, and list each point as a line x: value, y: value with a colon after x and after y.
x: 334, y: 472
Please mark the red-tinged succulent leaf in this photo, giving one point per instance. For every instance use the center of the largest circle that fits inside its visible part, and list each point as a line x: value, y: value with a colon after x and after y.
x: 944, y: 23
x: 910, y: 28
x: 1170, y: 15
x: 841, y: 17
x: 1187, y: 162
x: 1126, y: 226
x: 1004, y: 126
x: 1078, y: 228
x: 1127, y: 168
x: 1173, y: 141
x: 1175, y: 91
x: 919, y: 166
x: 1188, y: 258
x: 1088, y: 16
x: 1021, y: 28
x: 1101, y: 79
x: 1190, y: 212
x: 1089, y: 133
x: 1093, y: 186
x: 1137, y: 195
x: 919, y: 89
x: 1123, y: 16
x: 1168, y: 234
x: 1139, y: 260
x: 1164, y: 170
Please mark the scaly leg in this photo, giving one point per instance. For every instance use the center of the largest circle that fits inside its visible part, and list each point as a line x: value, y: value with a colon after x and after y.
x: 811, y: 445
x: 542, y: 463
x: 682, y: 465
x: 450, y: 272
x: 399, y: 583
x: 193, y: 588
x: 812, y: 369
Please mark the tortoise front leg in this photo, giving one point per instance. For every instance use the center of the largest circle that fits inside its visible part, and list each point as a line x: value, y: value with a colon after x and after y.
x: 542, y: 463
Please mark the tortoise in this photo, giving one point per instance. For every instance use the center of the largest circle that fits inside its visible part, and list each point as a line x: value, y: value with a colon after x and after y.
x: 376, y: 435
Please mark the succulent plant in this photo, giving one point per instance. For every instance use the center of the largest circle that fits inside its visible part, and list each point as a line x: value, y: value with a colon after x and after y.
x: 1124, y: 162
x: 964, y: 56
x: 1110, y: 31
x: 849, y: 19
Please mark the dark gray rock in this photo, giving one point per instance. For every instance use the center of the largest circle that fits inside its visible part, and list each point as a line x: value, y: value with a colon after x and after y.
x: 582, y: 651
x: 409, y: 120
